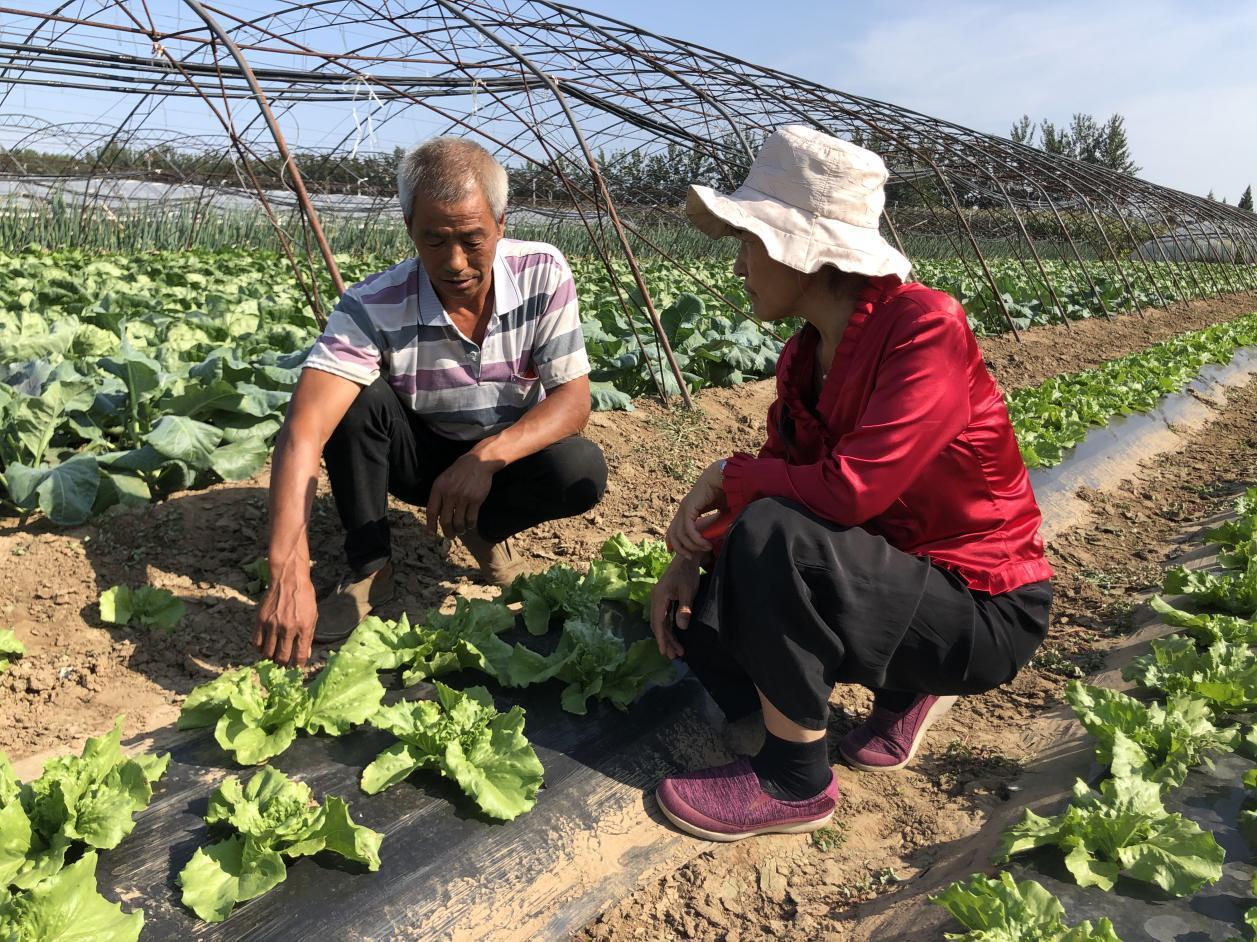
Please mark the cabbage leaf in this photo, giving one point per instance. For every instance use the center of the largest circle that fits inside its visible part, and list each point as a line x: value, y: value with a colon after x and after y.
x: 269, y: 818
x: 463, y: 736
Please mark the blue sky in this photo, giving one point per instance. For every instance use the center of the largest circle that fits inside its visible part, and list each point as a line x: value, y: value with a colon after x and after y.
x: 1184, y: 75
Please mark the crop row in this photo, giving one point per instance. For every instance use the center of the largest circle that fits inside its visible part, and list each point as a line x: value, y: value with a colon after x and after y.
x: 1204, y: 677
x: 127, y: 378
x: 1058, y: 413
x: 52, y: 827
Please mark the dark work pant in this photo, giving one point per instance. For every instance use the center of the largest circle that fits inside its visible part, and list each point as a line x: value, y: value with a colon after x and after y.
x: 795, y: 604
x: 380, y: 447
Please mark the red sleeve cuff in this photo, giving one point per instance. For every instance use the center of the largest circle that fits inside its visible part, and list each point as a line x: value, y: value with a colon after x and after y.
x: 747, y: 478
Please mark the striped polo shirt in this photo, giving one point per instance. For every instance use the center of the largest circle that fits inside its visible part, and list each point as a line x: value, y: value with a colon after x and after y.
x: 394, y: 325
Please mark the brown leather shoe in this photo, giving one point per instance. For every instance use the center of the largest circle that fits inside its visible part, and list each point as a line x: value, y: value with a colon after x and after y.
x: 498, y: 565
x: 349, y: 603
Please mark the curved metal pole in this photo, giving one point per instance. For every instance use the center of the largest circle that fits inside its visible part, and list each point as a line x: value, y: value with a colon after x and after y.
x: 579, y: 16
x: 307, y: 207
x: 598, y: 178
x: 633, y: 80
x: 311, y: 293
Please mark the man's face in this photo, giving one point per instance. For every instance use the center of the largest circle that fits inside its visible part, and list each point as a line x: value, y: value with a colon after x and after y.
x: 457, y: 243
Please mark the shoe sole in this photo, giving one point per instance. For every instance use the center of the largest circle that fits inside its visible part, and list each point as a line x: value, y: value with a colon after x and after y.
x: 940, y: 708
x: 802, y: 827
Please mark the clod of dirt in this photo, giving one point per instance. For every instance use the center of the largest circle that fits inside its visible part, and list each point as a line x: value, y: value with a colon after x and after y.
x: 772, y: 883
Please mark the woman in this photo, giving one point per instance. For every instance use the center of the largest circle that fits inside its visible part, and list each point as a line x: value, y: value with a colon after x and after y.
x: 885, y: 535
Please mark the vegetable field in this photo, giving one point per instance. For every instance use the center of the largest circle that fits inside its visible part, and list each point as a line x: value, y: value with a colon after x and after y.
x: 184, y: 188
x: 132, y: 378
x: 128, y: 378
x: 1201, y: 685
x: 51, y: 826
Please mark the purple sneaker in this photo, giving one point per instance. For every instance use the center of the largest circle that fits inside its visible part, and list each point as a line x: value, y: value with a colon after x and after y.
x: 727, y: 804
x: 887, y: 740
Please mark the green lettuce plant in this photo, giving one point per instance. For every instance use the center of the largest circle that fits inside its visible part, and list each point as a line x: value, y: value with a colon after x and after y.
x: 463, y: 736
x: 15, y: 827
x: 265, y: 821
x: 1244, y: 527
x: 259, y: 573
x: 1123, y: 829
x: 146, y: 606
x: 76, y: 803
x: 1207, y: 628
x: 1224, y: 675
x: 594, y: 662
x: 1231, y: 591
x: 256, y: 711
x: 66, y: 906
x: 1174, y: 737
x: 1006, y: 911
x: 10, y: 648
x: 466, y: 639
x: 557, y: 591
x: 628, y: 571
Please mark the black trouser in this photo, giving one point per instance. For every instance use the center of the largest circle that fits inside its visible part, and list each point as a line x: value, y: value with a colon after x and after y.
x: 795, y: 604
x: 380, y: 447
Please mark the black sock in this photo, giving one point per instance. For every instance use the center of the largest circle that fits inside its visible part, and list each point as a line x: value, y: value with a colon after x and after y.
x: 897, y: 701
x: 792, y: 771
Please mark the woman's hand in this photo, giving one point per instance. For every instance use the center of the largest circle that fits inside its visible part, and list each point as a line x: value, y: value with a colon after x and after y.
x: 707, y: 494
x: 676, y: 587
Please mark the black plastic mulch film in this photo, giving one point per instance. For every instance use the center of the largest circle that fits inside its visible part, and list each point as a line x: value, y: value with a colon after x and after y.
x: 1141, y: 912
x: 445, y: 870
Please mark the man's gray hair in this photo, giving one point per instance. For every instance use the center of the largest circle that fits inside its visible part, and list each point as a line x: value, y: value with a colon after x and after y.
x: 447, y: 169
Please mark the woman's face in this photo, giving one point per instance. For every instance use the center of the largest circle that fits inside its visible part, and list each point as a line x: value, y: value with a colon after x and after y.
x: 775, y: 289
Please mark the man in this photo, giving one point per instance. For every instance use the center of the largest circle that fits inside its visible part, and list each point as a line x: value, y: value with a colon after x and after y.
x: 456, y: 380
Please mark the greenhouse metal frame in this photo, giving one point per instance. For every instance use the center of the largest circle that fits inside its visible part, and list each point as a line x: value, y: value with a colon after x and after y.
x: 560, y: 93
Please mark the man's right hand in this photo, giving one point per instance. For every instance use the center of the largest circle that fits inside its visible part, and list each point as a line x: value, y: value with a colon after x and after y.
x: 678, y: 584
x: 286, y: 617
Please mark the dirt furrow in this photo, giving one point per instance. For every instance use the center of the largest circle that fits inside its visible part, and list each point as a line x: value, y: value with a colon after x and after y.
x: 893, y: 827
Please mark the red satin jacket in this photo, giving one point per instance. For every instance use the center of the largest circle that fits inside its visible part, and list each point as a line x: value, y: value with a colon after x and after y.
x: 910, y: 439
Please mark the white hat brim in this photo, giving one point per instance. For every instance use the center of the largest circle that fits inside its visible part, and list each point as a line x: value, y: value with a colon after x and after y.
x: 795, y: 237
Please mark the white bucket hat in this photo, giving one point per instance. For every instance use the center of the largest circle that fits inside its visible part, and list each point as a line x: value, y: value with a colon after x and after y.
x: 813, y: 199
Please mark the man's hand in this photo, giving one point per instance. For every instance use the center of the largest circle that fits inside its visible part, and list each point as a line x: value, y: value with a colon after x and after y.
x: 457, y: 494
x: 676, y: 587
x: 706, y: 494
x: 286, y: 617
x: 285, y: 623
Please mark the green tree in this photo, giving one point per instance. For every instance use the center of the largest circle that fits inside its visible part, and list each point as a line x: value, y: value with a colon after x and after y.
x: 1112, y: 147
x: 1082, y: 139
x: 1054, y: 141
x: 1246, y: 201
x: 1023, y: 131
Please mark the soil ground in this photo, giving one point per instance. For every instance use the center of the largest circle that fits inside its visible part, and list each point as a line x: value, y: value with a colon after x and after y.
x: 78, y: 673
x: 891, y: 828
x: 1086, y: 344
